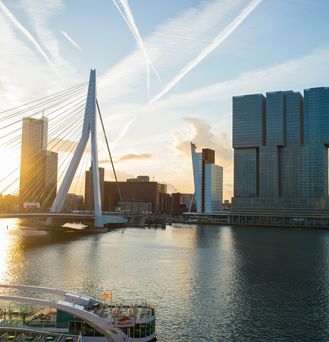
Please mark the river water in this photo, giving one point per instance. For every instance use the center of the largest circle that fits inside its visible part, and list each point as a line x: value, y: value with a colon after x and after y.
x: 209, y: 283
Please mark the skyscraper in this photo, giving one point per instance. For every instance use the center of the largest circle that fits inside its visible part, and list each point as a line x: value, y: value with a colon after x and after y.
x: 281, y: 150
x: 89, y: 190
x: 208, y: 181
x: 38, y: 171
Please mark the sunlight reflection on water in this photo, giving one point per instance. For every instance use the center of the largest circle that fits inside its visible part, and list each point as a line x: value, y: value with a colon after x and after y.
x: 209, y: 283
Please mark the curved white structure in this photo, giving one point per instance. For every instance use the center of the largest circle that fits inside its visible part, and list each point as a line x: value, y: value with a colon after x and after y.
x: 115, y: 322
x: 89, y: 129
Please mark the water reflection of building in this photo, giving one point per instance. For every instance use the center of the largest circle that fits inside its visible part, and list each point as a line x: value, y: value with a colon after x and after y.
x: 208, y: 181
x: 38, y: 169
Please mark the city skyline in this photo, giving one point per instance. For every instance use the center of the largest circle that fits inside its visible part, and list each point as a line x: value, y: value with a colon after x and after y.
x: 49, y: 46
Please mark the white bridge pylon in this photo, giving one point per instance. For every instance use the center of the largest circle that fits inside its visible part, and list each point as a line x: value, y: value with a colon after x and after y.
x: 89, y: 129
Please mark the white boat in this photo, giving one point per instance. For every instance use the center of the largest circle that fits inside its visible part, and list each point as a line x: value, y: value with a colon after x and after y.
x: 75, y: 225
x: 72, y: 317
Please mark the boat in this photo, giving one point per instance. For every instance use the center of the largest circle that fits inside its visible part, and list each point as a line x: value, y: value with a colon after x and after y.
x: 75, y: 225
x: 70, y: 316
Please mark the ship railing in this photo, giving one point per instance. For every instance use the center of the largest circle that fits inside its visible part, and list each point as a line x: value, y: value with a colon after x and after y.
x: 139, y: 311
x: 45, y: 317
x: 19, y: 334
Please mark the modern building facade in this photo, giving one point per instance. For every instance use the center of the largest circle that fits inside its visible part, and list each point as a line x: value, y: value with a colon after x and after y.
x: 281, y: 151
x: 208, y: 181
x: 139, y: 190
x: 89, y: 189
x: 38, y: 169
x: 73, y: 202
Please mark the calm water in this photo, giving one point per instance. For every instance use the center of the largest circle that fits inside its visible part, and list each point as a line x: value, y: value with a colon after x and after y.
x: 210, y: 283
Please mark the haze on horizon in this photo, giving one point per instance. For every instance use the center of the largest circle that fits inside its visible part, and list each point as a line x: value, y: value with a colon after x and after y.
x: 167, y: 70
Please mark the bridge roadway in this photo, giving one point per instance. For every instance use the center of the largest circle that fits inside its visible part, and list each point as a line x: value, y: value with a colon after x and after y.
x: 46, y: 215
x: 105, y: 219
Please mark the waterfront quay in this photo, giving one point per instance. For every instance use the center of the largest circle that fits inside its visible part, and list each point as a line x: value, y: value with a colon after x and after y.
x: 281, y: 218
x: 271, y: 218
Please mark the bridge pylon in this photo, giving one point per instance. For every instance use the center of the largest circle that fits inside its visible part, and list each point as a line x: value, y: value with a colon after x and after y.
x: 89, y: 129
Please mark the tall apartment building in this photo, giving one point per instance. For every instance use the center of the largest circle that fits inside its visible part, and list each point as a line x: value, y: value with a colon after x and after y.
x: 281, y: 150
x: 208, y: 181
x: 38, y: 169
x: 89, y: 190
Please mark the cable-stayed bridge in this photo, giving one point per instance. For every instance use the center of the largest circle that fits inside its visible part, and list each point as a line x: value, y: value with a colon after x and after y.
x: 42, y: 166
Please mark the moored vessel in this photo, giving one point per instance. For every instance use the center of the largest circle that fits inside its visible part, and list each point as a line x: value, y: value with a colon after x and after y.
x: 70, y: 316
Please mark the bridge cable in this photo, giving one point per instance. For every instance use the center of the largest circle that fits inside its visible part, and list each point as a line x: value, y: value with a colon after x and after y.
x: 108, y: 149
x: 63, y: 142
x: 66, y: 146
x: 47, y: 97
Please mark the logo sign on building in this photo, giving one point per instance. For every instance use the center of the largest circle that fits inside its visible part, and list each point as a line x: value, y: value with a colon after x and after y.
x: 124, y: 322
x: 31, y: 205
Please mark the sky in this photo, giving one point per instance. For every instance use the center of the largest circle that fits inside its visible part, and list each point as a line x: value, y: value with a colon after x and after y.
x: 166, y: 69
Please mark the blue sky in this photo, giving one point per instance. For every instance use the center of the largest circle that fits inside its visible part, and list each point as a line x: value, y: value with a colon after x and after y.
x: 280, y: 45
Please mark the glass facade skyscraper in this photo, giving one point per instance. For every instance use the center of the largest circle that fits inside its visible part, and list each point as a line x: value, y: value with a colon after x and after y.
x: 281, y: 150
x: 208, y: 181
x: 38, y: 170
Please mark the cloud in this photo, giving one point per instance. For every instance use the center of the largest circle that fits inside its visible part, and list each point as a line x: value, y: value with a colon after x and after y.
x: 127, y: 157
x: 202, y: 136
x: 125, y: 11
x: 22, y: 83
x: 133, y: 156
x: 298, y: 73
x: 23, y: 30
x: 58, y: 144
x: 123, y: 131
x: 219, y: 39
x: 189, y: 25
x: 69, y: 38
x: 39, y: 13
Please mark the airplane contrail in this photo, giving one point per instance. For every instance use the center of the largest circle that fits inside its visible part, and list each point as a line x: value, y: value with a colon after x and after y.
x: 69, y: 38
x: 219, y: 39
x: 23, y: 30
x: 125, y: 11
x: 123, y: 131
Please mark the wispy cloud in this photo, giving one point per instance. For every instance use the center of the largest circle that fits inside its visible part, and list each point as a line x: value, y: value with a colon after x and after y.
x: 23, y: 30
x: 123, y: 131
x: 219, y: 39
x: 40, y: 12
x: 297, y: 73
x: 58, y: 144
x: 125, y: 11
x: 187, y: 26
x: 21, y: 83
x: 69, y: 38
x: 133, y: 156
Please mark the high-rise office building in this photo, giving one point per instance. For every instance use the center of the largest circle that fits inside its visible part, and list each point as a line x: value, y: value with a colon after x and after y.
x: 281, y: 150
x: 208, y: 181
x: 49, y: 178
x: 38, y: 171
x: 89, y: 189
